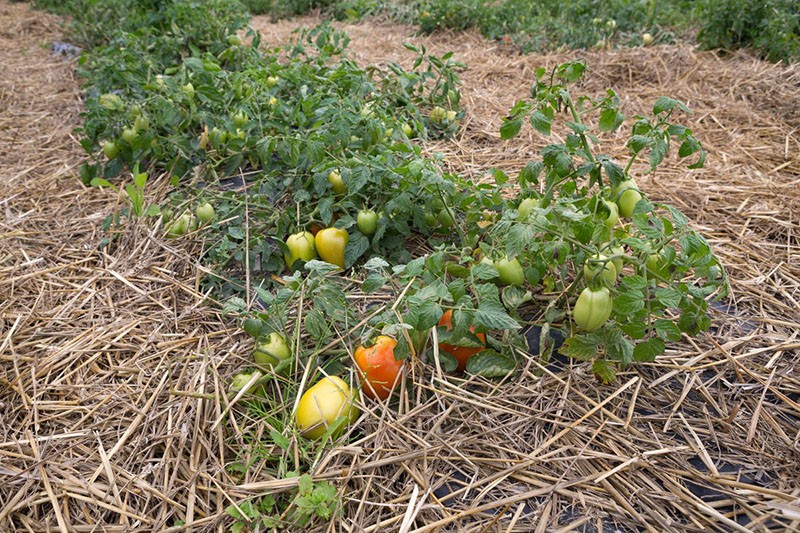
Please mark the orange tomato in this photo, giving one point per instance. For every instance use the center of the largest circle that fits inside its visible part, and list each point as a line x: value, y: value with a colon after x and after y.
x: 379, y: 367
x: 461, y: 353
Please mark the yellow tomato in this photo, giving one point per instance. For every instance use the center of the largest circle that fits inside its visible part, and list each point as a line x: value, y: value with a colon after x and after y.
x: 324, y: 403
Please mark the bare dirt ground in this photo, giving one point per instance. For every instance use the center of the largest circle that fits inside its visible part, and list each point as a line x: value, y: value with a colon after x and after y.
x: 113, y: 364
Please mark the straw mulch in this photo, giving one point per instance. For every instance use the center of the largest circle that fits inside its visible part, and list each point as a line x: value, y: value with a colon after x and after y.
x: 113, y: 365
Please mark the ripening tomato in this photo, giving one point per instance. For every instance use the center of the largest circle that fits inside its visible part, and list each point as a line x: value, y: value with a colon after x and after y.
x: 337, y: 184
x: 438, y: 114
x: 379, y: 366
x: 331, y: 244
x: 461, y: 353
x: 111, y: 149
x: 301, y: 247
x: 323, y: 404
x: 593, y: 308
x: 129, y: 135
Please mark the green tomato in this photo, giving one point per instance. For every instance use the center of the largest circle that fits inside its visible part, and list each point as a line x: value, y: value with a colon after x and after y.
x: 510, y: 271
x: 234, y: 40
x: 598, y: 268
x: 272, y: 81
x: 431, y: 220
x: 205, y: 212
x: 188, y: 90
x: 451, y: 116
x: 593, y: 308
x: 655, y: 266
x: 141, y: 123
x: 526, y: 207
x: 367, y: 222
x: 337, y: 183
x: 647, y: 39
x: 111, y: 149
x: 180, y: 226
x: 272, y: 350
x: 627, y: 196
x: 407, y: 130
x: 445, y: 219
x: 438, y: 114
x: 301, y: 248
x: 331, y: 244
x: 618, y: 261
x: 240, y: 118
x: 613, y: 216
x: 129, y: 135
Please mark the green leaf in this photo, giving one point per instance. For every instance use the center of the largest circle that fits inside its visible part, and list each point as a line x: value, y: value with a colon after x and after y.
x: 668, y: 297
x: 634, y: 329
x: 279, y: 439
x: 659, y: 151
x: 665, y: 103
x: 490, y: 364
x: 558, y: 158
x: 604, y: 370
x: 610, y: 119
x: 510, y: 128
x: 667, y: 330
x: 494, y: 317
x: 628, y: 302
x: 633, y: 282
x: 647, y: 351
x: 373, y: 282
x: 582, y: 347
x: 316, y: 325
x: 529, y: 175
x: 542, y: 120
x: 613, y: 171
x: 253, y: 326
x: 637, y: 143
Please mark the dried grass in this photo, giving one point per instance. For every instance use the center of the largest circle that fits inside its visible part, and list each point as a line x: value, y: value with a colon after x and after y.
x: 113, y: 365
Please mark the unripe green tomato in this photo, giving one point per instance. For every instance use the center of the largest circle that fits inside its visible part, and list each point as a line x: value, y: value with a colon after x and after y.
x: 180, y: 226
x: 205, y: 212
x: 129, y: 135
x: 438, y: 114
x: 431, y: 220
x: 337, y: 183
x: 272, y: 350
x: 595, y: 269
x: 627, y: 196
x: 445, y: 219
x: 188, y: 90
x: 367, y: 222
x: 321, y: 405
x: 593, y: 308
x: 510, y: 271
x: 272, y: 81
x: 407, y: 129
x: 451, y: 116
x: 613, y: 216
x: 240, y: 118
x: 272, y: 101
x: 331, y: 244
x: 234, y: 40
x: 647, y: 39
x: 241, y: 379
x: 111, y: 149
x: 301, y: 248
x: 655, y: 266
x: 526, y: 207
x: 141, y: 123
x: 618, y: 261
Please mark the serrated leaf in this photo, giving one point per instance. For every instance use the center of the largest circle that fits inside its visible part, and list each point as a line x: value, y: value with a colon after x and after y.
x: 610, y: 119
x: 279, y: 439
x: 542, y: 120
x: 582, y: 347
x: 253, y: 327
x: 356, y: 246
x: 613, y: 171
x: 667, y: 330
x: 637, y: 143
x: 647, y: 351
x: 316, y: 325
x: 628, y: 302
x: 494, y: 317
x: 633, y: 282
x: 373, y: 282
x: 530, y: 174
x: 604, y: 370
x: 635, y: 329
x: 490, y: 364
x: 668, y: 297
x: 665, y: 103
x: 659, y: 150
x: 510, y: 128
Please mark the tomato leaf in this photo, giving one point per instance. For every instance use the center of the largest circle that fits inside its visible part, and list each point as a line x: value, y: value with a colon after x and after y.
x: 604, y: 370
x: 510, y: 128
x: 610, y: 119
x: 494, y: 317
x: 582, y: 347
x: 647, y: 351
x: 627, y: 303
x: 542, y: 120
x: 253, y: 327
x: 667, y: 330
x: 490, y: 364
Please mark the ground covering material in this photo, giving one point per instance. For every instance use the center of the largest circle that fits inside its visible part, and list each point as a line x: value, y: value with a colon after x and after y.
x: 114, y: 365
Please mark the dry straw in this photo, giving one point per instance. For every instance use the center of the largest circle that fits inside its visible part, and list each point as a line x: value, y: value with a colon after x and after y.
x: 113, y: 364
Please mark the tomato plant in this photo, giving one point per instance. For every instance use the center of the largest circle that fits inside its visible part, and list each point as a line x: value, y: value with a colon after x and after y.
x: 379, y: 367
x: 322, y: 404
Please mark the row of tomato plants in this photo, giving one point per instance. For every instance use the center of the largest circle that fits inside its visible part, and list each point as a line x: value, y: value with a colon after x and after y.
x: 334, y: 197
